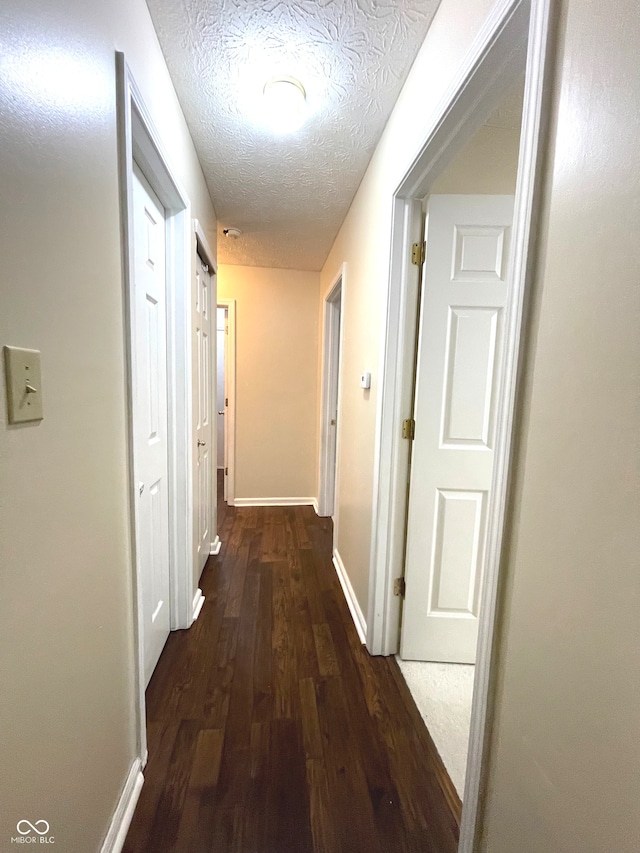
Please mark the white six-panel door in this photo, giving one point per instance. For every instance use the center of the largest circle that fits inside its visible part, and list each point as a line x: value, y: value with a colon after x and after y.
x: 460, y: 342
x: 203, y: 364
x: 150, y: 418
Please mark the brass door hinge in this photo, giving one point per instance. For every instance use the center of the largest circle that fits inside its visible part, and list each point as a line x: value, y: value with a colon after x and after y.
x: 409, y: 429
x: 226, y: 470
x: 226, y: 401
x: 418, y: 254
x: 399, y: 587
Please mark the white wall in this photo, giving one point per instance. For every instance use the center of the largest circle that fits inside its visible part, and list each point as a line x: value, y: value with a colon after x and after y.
x: 277, y: 348
x: 66, y: 644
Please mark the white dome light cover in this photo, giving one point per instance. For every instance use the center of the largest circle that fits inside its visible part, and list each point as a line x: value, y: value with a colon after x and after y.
x: 285, y: 102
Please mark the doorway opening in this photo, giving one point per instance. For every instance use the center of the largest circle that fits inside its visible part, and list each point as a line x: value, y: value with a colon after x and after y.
x: 221, y: 395
x: 330, y: 407
x: 226, y: 398
x: 460, y: 340
x: 206, y: 539
x: 514, y: 38
x: 170, y: 224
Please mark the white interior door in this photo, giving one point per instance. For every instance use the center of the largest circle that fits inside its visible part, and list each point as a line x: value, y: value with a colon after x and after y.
x: 460, y: 343
x: 202, y: 326
x: 150, y: 418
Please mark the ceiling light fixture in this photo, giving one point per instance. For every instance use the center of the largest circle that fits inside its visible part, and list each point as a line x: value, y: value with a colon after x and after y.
x: 285, y: 102
x: 234, y: 233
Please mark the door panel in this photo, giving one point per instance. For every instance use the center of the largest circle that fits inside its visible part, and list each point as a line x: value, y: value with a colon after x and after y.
x: 460, y: 344
x: 150, y: 418
x: 469, y: 374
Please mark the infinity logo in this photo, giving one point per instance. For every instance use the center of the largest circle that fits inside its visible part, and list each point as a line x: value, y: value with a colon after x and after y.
x: 32, y: 827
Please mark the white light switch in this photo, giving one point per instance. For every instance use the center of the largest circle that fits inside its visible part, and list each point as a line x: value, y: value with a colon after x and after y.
x: 365, y: 379
x: 24, y: 385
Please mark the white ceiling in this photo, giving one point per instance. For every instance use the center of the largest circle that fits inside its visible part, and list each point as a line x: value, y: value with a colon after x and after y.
x: 288, y: 194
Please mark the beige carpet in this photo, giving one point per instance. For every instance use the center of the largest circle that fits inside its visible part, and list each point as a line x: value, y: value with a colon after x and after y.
x: 442, y: 692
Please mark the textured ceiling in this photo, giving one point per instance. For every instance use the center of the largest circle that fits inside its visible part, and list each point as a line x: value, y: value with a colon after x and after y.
x: 288, y: 194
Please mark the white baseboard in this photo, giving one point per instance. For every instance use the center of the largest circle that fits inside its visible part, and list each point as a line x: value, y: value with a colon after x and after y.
x: 316, y: 506
x: 198, y: 601
x: 121, y: 819
x: 215, y: 547
x: 274, y: 502
x: 349, y: 594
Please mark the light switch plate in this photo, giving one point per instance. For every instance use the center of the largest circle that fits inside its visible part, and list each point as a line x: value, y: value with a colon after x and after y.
x: 24, y: 384
x: 365, y: 379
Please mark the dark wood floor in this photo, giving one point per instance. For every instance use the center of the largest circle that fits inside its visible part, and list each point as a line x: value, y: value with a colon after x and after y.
x: 270, y: 727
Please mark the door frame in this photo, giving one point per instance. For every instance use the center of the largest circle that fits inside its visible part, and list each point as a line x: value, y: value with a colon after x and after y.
x: 204, y: 252
x: 486, y: 73
x: 139, y: 140
x: 332, y: 329
x: 230, y: 377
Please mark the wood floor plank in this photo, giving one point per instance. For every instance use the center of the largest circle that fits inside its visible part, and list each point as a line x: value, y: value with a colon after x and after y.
x: 288, y: 818
x: 263, y: 693
x: 164, y: 831
x: 310, y: 721
x: 285, y: 651
x: 270, y: 726
x: 327, y: 660
x: 323, y: 821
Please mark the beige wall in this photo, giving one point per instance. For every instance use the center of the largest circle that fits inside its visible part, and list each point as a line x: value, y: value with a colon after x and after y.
x: 488, y: 163
x: 565, y: 758
x: 276, y: 379
x: 364, y: 243
x: 66, y: 644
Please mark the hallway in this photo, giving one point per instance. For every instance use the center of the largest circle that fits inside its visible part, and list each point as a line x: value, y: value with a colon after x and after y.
x: 271, y: 728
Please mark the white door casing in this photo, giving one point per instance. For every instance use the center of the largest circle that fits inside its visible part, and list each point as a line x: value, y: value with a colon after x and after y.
x: 229, y: 418
x: 334, y: 381
x: 203, y: 366
x: 330, y: 401
x: 150, y: 418
x: 221, y: 335
x: 457, y: 382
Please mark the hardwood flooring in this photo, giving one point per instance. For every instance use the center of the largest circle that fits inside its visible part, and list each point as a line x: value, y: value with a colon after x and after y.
x: 270, y: 727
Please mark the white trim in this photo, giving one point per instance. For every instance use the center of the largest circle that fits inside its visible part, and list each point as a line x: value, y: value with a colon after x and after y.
x: 179, y: 372
x: 198, y: 601
x: 204, y: 249
x: 121, y: 820
x: 137, y: 137
x: 215, y: 546
x: 487, y: 71
x: 391, y: 462
x: 230, y: 376
x: 522, y: 253
x: 327, y: 467
x: 275, y: 502
x: 352, y: 602
x: 206, y: 266
x: 315, y: 506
